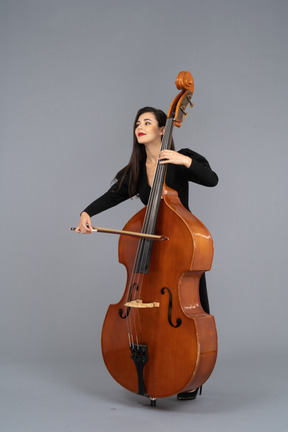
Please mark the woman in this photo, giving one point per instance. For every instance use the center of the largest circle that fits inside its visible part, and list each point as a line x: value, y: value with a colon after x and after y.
x: 137, y: 178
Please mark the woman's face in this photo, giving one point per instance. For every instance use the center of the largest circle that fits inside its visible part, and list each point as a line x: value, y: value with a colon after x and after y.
x: 147, y: 130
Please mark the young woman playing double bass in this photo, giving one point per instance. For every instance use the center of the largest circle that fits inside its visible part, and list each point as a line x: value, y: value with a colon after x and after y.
x: 136, y: 178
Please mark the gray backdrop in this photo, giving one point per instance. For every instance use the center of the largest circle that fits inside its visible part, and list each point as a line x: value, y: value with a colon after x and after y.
x: 74, y: 73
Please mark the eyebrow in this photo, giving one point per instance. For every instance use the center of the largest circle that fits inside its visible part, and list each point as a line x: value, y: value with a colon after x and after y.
x: 138, y: 121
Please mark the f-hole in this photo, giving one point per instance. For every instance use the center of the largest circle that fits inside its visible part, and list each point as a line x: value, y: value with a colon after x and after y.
x: 135, y: 285
x: 178, y: 320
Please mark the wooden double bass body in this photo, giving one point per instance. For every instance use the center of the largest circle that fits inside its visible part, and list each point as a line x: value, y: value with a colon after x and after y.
x: 158, y: 341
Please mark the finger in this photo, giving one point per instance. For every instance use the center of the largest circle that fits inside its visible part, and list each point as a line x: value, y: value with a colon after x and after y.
x: 85, y: 229
x: 164, y: 160
x: 163, y: 157
x: 163, y: 154
x: 88, y: 226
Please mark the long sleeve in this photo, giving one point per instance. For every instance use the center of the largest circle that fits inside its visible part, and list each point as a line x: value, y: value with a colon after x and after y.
x: 178, y: 177
x: 109, y: 199
x: 199, y: 171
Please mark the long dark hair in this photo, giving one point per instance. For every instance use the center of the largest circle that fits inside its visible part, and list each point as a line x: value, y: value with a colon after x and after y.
x: 138, y: 154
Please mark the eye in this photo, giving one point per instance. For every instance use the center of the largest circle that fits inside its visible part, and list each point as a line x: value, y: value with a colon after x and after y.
x: 147, y: 123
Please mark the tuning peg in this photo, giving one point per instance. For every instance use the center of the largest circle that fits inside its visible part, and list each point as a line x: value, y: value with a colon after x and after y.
x: 182, y: 108
x: 189, y: 101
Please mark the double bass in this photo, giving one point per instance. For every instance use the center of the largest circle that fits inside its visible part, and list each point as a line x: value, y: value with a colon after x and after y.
x: 157, y: 341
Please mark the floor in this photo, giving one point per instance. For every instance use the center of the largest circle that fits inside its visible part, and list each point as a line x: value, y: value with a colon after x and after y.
x: 57, y: 396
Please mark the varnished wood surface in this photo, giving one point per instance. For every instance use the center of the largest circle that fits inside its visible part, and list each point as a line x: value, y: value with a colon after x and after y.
x: 179, y: 358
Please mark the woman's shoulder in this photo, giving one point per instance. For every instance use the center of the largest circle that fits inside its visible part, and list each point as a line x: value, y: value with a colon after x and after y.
x: 122, y: 176
x: 199, y: 170
x: 193, y: 154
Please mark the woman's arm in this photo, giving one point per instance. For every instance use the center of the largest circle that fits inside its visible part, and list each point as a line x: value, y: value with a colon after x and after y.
x: 111, y: 198
x: 195, y: 167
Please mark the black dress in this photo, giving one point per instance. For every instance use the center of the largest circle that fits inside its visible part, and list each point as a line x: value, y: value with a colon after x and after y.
x: 178, y: 178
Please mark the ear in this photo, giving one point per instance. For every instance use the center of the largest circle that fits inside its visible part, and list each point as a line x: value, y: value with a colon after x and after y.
x: 162, y: 130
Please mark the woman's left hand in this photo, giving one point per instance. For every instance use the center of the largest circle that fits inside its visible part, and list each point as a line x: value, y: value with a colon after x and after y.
x: 173, y: 157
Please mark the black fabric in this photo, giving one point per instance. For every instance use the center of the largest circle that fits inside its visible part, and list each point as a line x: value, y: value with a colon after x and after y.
x: 203, y: 294
x: 178, y: 178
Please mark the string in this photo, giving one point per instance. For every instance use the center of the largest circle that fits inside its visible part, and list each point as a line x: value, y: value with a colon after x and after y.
x: 144, y: 249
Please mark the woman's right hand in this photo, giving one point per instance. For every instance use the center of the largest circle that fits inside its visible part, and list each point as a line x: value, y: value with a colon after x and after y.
x: 85, y: 225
